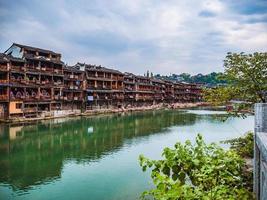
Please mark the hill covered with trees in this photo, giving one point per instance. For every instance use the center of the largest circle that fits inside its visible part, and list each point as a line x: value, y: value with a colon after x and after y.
x: 209, y: 80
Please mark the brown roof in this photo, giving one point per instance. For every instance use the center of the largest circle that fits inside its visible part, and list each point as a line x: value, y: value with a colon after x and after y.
x: 36, y: 49
x: 143, y: 77
x: 99, y: 68
x: 6, y: 58
x: 72, y: 69
x: 157, y: 80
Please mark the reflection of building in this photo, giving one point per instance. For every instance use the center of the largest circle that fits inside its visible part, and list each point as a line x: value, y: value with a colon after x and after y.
x: 35, y: 82
x: 33, y: 154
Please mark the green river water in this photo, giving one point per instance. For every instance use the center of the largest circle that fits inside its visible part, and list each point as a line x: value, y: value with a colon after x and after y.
x: 97, y: 157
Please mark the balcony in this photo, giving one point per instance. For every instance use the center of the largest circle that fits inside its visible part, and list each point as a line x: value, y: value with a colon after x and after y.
x: 4, y: 97
x: 45, y: 95
x: 4, y: 81
x: 58, y: 97
x: 120, y: 78
x: 46, y: 98
x: 58, y: 71
x: 31, y: 96
x: 77, y: 98
x: 18, y: 80
x: 32, y: 82
x: 33, y: 69
x: 18, y: 68
x: 67, y: 98
x: 17, y: 95
x: 30, y: 110
x: 58, y: 83
x: 4, y: 68
x: 118, y: 97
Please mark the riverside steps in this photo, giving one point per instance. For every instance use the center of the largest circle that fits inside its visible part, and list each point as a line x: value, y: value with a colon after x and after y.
x: 260, y: 152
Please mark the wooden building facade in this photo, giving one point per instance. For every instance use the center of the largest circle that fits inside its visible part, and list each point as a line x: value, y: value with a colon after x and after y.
x: 35, y: 82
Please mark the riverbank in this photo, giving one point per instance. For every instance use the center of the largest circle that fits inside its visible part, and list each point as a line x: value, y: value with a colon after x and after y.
x: 74, y: 113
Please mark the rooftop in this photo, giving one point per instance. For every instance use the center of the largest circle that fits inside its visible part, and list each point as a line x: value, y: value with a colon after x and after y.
x: 30, y: 48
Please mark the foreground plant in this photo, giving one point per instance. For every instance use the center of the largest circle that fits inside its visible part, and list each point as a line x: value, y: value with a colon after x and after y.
x: 197, y: 171
x: 243, y: 145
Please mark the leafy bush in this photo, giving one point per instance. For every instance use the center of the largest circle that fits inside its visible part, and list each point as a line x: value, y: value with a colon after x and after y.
x: 243, y: 145
x: 197, y: 171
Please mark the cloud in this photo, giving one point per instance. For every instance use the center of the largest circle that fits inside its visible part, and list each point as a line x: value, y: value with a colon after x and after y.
x: 206, y: 13
x: 161, y: 36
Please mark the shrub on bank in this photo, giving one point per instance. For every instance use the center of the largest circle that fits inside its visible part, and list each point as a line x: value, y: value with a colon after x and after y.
x: 243, y: 145
x: 197, y: 171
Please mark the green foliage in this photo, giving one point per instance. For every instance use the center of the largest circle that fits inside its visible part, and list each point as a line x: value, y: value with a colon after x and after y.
x: 197, y: 171
x: 244, y: 146
x: 211, y: 79
x: 247, y: 80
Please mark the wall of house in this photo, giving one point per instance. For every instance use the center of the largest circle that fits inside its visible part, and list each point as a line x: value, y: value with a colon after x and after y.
x: 13, y: 107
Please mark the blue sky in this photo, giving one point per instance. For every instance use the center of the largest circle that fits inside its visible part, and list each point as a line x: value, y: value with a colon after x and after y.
x: 170, y: 36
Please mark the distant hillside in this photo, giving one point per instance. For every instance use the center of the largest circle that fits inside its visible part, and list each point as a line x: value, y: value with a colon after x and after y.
x: 209, y: 80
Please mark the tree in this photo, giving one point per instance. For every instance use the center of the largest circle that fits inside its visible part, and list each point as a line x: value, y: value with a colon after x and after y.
x: 197, y: 171
x: 246, y: 75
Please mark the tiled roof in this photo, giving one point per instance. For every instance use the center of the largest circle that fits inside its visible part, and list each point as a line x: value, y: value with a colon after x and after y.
x: 6, y: 58
x: 36, y: 49
x: 99, y: 68
x: 72, y: 68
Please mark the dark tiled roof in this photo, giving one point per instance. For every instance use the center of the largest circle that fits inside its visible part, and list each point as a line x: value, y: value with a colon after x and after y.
x: 143, y: 77
x: 130, y: 75
x: 36, y: 49
x: 72, y: 68
x: 157, y: 80
x: 99, y: 68
x: 6, y: 58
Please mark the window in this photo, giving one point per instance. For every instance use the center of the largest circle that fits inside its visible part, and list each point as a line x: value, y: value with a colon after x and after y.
x: 18, y: 105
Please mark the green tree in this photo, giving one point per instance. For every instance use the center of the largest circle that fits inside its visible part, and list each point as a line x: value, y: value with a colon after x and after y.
x: 246, y: 75
x: 197, y: 171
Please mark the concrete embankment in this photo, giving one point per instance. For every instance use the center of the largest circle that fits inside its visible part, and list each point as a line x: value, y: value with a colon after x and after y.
x: 73, y: 113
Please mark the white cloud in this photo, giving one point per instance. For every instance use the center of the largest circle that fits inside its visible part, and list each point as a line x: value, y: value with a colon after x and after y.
x: 162, y: 36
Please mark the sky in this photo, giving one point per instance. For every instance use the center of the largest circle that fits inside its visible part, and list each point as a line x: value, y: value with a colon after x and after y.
x: 162, y: 36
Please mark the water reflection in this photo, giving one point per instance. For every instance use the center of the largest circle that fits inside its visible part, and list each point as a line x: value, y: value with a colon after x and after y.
x: 34, y: 154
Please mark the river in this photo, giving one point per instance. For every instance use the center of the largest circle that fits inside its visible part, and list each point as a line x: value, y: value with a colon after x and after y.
x: 96, y: 157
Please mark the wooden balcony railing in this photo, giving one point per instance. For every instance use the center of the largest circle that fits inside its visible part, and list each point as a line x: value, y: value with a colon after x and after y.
x: 45, y: 97
x: 67, y: 98
x: 58, y: 71
x: 18, y: 68
x: 4, y: 97
x: 77, y: 98
x: 33, y: 69
x: 3, y: 81
x: 18, y: 80
x: 58, y: 83
x: 29, y: 110
x: 4, y: 68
